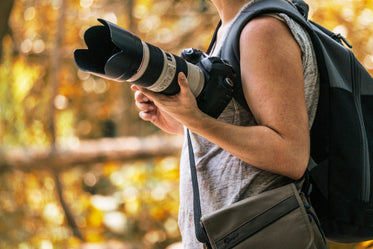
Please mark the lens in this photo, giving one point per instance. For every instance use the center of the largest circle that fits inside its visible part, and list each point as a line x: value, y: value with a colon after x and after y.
x: 119, y: 55
x: 159, y: 70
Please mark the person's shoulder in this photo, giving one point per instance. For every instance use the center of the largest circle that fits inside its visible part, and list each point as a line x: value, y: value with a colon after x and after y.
x: 266, y: 28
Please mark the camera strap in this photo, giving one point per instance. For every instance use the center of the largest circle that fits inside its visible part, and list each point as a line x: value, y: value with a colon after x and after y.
x: 199, y: 231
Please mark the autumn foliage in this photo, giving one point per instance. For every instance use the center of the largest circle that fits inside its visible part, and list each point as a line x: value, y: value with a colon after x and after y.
x: 47, y: 103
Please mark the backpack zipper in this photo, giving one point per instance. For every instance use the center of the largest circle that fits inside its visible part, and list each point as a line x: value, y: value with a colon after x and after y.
x: 364, y: 137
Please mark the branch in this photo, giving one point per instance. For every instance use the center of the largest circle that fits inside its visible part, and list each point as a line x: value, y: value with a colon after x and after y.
x: 69, y: 216
x: 92, y: 152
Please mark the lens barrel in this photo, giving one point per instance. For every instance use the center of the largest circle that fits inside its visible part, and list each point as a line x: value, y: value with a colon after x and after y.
x: 119, y: 55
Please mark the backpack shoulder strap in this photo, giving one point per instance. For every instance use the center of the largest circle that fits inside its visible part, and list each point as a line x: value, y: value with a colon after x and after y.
x: 230, y: 50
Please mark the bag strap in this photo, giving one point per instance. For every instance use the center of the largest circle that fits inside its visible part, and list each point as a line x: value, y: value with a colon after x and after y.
x: 303, y: 185
x: 200, y: 232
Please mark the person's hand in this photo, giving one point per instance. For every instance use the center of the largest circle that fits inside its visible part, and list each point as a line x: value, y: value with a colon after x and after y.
x: 181, y: 106
x: 150, y: 112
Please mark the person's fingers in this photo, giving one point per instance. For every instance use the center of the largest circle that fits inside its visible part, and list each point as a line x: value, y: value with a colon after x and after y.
x: 149, y: 94
x: 140, y: 97
x: 134, y: 87
x: 139, y: 93
x: 146, y: 107
x: 147, y: 116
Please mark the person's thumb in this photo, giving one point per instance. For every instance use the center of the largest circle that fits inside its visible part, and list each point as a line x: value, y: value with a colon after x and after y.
x: 183, y: 82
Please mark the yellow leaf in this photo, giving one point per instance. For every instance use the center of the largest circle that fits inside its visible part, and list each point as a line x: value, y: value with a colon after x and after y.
x: 95, y: 218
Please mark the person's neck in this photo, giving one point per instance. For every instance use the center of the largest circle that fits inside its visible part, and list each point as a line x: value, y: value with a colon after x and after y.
x: 228, y: 9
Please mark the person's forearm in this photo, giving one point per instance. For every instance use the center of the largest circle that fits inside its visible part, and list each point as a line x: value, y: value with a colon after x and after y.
x: 259, y: 145
x: 284, y: 150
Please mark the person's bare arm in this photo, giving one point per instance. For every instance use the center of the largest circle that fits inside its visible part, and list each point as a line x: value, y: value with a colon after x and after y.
x: 272, y: 79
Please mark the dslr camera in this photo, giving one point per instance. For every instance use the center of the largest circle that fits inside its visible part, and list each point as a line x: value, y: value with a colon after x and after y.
x: 117, y: 54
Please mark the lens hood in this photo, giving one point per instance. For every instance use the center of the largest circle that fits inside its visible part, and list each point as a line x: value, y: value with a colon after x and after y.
x: 112, y: 53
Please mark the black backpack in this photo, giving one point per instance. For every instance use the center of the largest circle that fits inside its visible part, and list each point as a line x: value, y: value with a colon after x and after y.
x: 342, y: 133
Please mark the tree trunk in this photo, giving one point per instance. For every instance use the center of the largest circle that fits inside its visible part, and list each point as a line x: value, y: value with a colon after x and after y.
x: 6, y: 7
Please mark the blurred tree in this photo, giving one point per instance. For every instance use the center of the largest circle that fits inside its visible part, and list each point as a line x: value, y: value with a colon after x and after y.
x: 5, y: 11
x: 46, y: 102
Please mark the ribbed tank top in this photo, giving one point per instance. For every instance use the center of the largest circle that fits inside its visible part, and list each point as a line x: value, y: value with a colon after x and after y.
x: 223, y: 178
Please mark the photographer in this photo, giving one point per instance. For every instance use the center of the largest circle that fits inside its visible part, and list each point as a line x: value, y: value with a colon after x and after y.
x: 244, y: 153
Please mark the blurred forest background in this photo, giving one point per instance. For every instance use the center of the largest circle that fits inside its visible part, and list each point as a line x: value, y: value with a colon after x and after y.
x: 78, y: 168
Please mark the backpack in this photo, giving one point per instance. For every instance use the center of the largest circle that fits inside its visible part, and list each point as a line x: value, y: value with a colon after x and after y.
x: 342, y: 133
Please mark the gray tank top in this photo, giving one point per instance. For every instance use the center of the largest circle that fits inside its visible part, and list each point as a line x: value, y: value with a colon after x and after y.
x: 223, y: 178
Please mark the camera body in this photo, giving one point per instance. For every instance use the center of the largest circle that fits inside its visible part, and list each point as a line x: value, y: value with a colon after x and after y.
x: 116, y: 54
x: 218, y: 88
